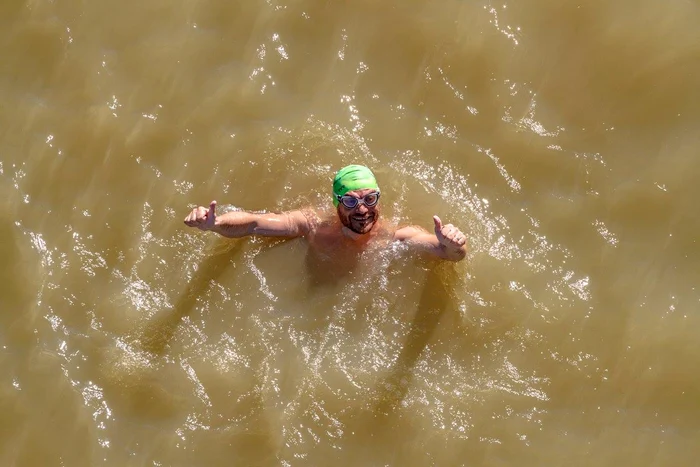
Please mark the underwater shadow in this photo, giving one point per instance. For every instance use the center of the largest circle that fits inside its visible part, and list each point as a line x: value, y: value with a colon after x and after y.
x: 158, y: 333
x: 435, y: 301
x: 377, y: 424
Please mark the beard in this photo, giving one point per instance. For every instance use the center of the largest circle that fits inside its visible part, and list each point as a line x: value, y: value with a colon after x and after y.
x: 360, y: 223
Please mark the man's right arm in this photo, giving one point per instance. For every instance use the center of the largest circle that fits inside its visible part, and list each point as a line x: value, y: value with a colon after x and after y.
x: 238, y: 224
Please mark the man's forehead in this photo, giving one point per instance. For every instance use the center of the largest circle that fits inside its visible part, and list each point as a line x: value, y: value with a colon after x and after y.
x: 360, y: 193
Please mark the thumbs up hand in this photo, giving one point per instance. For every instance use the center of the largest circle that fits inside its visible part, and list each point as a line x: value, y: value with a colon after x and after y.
x: 201, y: 217
x: 449, y: 235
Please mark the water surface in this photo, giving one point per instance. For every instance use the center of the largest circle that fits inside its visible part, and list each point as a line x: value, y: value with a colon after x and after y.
x: 562, y: 137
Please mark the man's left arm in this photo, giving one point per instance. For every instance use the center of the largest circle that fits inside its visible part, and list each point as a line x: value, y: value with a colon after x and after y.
x: 448, y: 242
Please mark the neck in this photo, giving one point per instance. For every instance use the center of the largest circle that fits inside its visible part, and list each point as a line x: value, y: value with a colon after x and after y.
x: 353, y: 235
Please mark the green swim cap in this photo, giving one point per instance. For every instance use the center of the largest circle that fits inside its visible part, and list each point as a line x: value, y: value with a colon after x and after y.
x: 350, y: 178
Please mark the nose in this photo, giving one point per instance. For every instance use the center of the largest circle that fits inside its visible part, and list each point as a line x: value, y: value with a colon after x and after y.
x: 361, y: 208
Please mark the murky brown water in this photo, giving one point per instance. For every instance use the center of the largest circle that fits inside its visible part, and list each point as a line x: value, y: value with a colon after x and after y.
x: 562, y: 136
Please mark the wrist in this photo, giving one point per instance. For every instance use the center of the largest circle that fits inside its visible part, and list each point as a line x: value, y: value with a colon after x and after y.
x: 215, y: 226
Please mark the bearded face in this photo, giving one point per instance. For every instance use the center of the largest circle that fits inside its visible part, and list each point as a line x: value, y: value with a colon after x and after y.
x: 361, y: 218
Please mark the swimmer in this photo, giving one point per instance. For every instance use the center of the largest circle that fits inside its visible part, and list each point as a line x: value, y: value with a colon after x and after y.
x: 356, y: 199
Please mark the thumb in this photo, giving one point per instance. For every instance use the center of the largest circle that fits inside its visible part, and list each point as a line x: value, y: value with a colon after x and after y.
x: 212, y: 210
x: 438, y: 224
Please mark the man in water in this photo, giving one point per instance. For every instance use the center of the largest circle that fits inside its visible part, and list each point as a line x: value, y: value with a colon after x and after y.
x: 356, y: 198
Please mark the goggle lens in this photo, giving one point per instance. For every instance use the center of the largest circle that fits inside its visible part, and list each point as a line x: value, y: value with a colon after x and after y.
x: 368, y: 200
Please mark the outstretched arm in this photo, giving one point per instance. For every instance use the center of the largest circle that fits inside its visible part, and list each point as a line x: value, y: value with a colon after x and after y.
x: 238, y: 224
x: 448, y: 242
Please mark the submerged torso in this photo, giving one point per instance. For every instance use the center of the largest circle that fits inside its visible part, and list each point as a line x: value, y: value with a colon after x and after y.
x: 335, y: 252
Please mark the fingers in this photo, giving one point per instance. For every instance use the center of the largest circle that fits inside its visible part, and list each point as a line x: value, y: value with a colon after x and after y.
x: 449, y: 231
x: 191, y: 217
x: 460, y: 239
x: 212, y: 209
x: 199, y: 216
x: 438, y: 224
x: 449, y: 234
x: 453, y: 235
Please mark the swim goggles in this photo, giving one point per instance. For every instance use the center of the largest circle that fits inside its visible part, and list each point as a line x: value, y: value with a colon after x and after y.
x: 350, y: 202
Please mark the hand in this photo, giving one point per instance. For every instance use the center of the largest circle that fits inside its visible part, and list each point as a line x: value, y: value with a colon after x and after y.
x: 449, y: 235
x: 202, y: 218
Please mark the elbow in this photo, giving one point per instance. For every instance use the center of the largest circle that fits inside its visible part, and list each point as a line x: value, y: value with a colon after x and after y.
x: 252, y: 227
